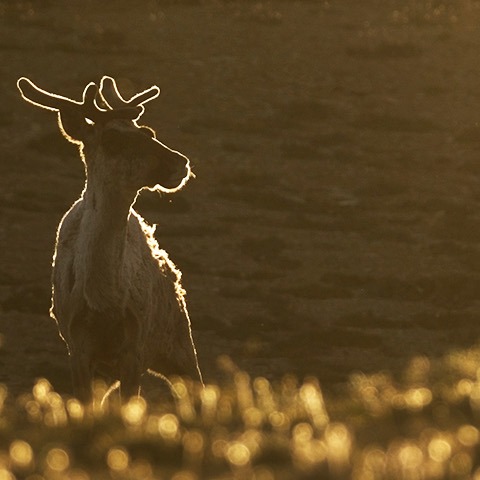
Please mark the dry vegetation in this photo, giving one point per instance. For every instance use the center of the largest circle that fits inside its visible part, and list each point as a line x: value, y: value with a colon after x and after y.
x: 422, y: 427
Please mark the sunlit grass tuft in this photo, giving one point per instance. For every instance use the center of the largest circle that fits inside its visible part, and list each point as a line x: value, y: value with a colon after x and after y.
x: 425, y: 425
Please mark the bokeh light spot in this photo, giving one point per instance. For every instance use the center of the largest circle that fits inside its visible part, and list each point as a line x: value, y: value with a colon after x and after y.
x: 6, y: 475
x: 439, y: 449
x: 133, y: 413
x: 75, y: 409
x: 58, y: 460
x: 168, y: 426
x: 303, y: 432
x: 278, y: 419
x: 468, y: 435
x: 238, y: 454
x: 193, y: 442
x: 410, y: 456
x: 41, y: 390
x: 21, y: 454
x: 118, y: 459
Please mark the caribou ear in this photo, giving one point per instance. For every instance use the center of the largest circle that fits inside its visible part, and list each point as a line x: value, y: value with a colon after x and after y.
x: 75, y: 126
x: 76, y: 123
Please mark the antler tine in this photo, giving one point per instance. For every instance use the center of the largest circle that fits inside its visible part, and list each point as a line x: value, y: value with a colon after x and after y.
x: 89, y: 94
x: 33, y: 94
x: 145, y: 96
x: 113, y: 98
x: 110, y: 94
x: 89, y: 104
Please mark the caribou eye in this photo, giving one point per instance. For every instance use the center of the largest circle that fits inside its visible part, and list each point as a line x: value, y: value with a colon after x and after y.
x: 89, y: 121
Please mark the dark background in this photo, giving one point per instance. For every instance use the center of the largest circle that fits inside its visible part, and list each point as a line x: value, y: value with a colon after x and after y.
x: 333, y: 225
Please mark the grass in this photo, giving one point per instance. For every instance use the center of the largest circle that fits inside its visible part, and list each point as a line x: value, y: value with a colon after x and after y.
x: 422, y: 426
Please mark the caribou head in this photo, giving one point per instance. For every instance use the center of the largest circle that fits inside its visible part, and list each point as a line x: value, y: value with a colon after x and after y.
x: 116, y: 150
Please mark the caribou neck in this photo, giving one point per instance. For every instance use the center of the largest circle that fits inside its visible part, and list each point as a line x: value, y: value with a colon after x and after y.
x: 104, y: 237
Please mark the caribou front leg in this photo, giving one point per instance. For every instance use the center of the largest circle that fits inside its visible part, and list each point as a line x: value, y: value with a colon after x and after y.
x: 130, y: 375
x: 82, y: 375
